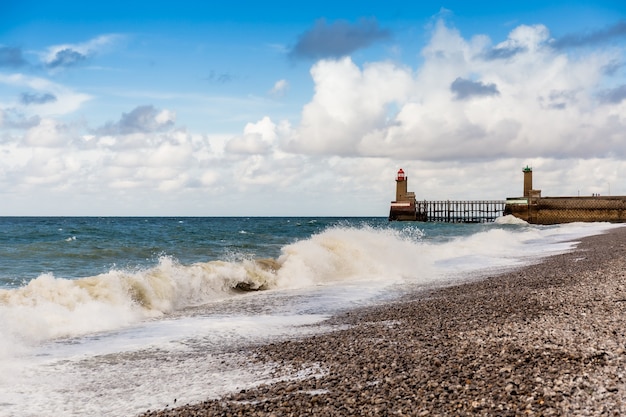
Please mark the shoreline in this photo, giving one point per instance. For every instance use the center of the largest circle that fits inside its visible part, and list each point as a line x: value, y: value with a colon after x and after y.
x: 544, y: 339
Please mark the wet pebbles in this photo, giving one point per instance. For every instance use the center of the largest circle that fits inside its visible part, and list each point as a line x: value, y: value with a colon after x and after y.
x: 548, y: 339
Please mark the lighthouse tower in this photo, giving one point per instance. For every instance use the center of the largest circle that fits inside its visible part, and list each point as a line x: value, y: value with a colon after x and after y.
x: 528, y: 184
x: 401, y: 185
x: 404, y: 207
x: 528, y: 180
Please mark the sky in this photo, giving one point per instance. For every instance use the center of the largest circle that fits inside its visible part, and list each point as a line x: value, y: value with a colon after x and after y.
x: 277, y: 108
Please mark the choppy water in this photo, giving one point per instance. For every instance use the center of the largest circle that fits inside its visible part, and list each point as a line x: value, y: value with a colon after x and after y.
x: 113, y: 316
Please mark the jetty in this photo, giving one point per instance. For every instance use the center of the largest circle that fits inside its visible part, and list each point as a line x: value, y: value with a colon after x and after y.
x: 406, y: 208
x: 535, y: 209
x: 530, y: 207
x: 461, y: 211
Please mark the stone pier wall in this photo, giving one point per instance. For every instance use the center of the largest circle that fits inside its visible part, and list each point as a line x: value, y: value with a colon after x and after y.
x: 553, y: 210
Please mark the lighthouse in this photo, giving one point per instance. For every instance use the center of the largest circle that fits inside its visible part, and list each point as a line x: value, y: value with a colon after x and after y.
x: 404, y: 207
x: 528, y: 180
x: 529, y: 192
x: 401, y: 185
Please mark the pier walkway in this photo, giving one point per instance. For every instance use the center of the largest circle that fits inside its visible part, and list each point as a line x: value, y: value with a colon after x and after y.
x: 460, y: 211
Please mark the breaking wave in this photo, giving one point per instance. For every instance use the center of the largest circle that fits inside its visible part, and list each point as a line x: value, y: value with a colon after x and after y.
x: 51, y: 307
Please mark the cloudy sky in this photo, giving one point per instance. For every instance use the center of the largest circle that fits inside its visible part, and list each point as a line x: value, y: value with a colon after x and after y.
x: 305, y: 108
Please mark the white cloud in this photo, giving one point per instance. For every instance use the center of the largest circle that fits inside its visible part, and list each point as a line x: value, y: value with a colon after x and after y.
x: 53, y: 155
x: 257, y: 138
x: 522, y: 102
x: 280, y: 88
x: 169, y: 154
x: 173, y: 183
x: 165, y: 117
x: 348, y: 104
x: 48, y: 133
x: 142, y: 119
x: 541, y: 103
x: 66, y: 99
x: 524, y: 37
x: 209, y: 178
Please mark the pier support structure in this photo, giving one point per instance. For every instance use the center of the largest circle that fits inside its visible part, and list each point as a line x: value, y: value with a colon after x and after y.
x: 406, y: 208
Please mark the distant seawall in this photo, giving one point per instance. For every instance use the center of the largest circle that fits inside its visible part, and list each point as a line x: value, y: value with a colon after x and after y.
x: 553, y: 210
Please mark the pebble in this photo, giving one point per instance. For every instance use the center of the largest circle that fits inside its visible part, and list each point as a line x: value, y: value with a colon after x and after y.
x: 547, y: 339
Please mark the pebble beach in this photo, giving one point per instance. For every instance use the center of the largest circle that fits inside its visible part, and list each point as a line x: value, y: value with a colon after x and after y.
x: 546, y: 339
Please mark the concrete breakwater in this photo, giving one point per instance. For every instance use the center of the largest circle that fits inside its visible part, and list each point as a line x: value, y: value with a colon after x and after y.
x: 554, y: 210
x: 535, y: 209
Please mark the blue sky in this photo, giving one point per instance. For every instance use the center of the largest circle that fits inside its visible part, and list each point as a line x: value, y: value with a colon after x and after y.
x: 281, y: 108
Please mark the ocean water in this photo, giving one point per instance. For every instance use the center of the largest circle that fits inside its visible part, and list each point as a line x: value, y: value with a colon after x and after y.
x: 114, y: 316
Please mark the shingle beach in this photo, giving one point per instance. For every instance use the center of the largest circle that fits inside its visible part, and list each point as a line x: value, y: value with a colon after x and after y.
x: 546, y: 339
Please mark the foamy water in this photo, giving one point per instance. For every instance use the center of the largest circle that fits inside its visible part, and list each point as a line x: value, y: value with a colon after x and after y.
x: 130, y: 339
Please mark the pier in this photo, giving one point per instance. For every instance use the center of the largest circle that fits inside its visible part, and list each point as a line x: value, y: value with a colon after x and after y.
x: 460, y: 211
x: 531, y: 207
x: 406, y: 207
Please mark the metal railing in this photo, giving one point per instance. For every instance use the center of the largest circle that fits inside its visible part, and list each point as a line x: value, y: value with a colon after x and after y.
x: 461, y: 211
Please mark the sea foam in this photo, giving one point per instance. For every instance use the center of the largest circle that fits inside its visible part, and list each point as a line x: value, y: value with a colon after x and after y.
x: 50, y: 307
x: 78, y: 346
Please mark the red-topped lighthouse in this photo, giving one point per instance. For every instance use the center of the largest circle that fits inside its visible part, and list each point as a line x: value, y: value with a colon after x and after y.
x: 404, y: 208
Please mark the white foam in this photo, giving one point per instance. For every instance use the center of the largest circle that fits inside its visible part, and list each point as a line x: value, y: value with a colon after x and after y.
x: 340, y: 254
x: 125, y: 341
x: 51, y: 307
x: 510, y: 219
x: 127, y: 372
x: 112, y: 376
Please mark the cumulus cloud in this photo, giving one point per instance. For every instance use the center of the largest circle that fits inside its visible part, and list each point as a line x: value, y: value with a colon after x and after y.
x: 257, y: 138
x: 144, y: 150
x: 11, y: 57
x: 337, y: 39
x: 68, y: 55
x: 142, y: 119
x: 34, y: 98
x: 521, y: 40
x: 48, y: 133
x: 473, y: 108
x: 539, y: 101
x: 464, y: 89
x: 349, y: 103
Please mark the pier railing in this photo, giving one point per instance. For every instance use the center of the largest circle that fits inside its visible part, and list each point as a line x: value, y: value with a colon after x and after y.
x: 459, y: 211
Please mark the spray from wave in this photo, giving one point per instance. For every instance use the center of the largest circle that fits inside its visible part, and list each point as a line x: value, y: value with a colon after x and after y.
x: 510, y: 219
x: 51, y: 307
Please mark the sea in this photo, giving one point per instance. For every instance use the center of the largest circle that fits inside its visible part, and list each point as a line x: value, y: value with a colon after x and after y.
x: 112, y: 316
